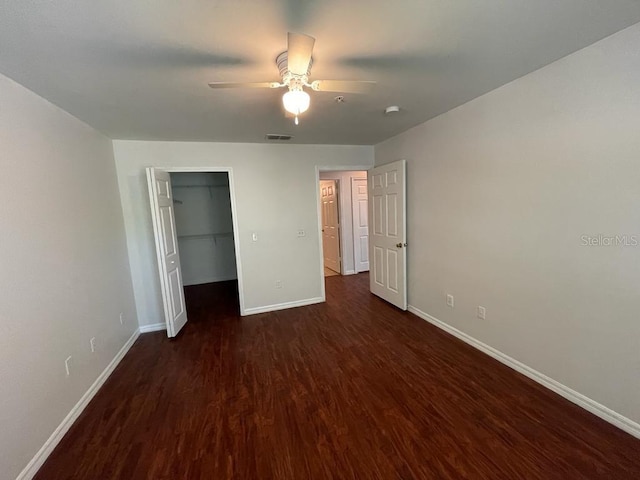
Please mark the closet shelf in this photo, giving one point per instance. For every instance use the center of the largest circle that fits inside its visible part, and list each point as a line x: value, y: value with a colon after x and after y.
x: 207, y: 235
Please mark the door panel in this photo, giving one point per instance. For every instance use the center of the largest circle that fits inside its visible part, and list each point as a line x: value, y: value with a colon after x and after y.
x: 330, y: 225
x: 363, y: 258
x: 359, y: 199
x: 392, y: 270
x: 176, y: 299
x: 378, y: 212
x: 164, y: 230
x: 169, y: 239
x: 392, y: 215
x: 378, y: 271
x: 388, y: 230
x: 163, y: 187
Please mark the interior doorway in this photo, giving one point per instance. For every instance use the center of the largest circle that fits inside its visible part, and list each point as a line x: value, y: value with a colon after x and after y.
x: 204, y: 229
x: 205, y: 200
x: 343, y: 216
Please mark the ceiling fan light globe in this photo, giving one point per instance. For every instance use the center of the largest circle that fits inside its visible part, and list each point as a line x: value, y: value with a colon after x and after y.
x: 296, y: 101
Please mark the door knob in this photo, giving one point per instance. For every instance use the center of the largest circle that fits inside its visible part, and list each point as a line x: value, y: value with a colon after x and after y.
x: 399, y: 245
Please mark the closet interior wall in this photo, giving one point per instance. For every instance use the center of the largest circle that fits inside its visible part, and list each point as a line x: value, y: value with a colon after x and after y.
x: 202, y: 206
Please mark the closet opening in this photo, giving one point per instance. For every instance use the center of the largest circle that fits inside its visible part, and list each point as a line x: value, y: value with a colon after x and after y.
x: 204, y: 229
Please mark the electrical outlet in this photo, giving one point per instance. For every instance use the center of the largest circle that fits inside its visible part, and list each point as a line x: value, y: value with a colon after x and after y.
x: 92, y: 343
x: 278, y: 283
x: 67, y: 365
x: 482, y: 313
x: 450, y: 301
x: 301, y: 233
x: 121, y: 318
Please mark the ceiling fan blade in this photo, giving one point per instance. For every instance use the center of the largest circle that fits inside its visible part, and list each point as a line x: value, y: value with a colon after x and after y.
x: 244, y: 85
x: 344, y: 86
x: 411, y: 62
x: 160, y: 55
x: 299, y: 51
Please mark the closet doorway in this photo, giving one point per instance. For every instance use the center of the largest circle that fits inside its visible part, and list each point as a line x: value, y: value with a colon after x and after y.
x: 204, y: 228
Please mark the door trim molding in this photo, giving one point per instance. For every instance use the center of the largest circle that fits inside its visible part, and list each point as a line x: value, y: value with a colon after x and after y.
x: 599, y: 410
x: 41, y: 456
x: 283, y: 306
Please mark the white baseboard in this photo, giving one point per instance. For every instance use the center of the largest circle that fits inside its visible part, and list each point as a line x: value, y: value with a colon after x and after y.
x: 349, y: 272
x: 579, y: 399
x: 36, y: 462
x: 153, y: 327
x: 283, y: 306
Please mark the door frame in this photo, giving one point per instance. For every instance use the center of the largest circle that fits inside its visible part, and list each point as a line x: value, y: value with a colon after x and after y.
x: 331, y: 168
x: 234, y: 217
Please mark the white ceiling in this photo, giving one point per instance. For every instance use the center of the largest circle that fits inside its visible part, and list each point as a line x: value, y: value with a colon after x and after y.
x: 138, y: 69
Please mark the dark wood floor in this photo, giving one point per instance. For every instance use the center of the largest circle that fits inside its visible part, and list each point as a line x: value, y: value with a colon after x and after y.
x: 350, y: 389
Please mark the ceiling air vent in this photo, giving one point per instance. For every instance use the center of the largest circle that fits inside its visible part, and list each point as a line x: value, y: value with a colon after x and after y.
x: 278, y: 136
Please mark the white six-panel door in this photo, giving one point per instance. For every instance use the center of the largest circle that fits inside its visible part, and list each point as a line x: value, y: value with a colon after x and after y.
x: 330, y: 224
x: 360, y: 224
x: 387, y: 233
x: 164, y: 230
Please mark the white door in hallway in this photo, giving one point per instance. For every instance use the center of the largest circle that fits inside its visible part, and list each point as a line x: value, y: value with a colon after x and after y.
x: 164, y: 231
x: 388, y: 232
x: 360, y: 224
x: 330, y: 224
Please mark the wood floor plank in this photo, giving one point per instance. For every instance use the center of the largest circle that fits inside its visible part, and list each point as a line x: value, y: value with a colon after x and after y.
x: 349, y: 389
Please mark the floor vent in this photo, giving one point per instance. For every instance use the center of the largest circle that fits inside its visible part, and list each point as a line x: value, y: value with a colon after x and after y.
x: 278, y: 136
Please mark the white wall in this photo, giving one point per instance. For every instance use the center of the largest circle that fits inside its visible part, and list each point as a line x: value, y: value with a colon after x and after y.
x: 276, y: 195
x: 204, y: 226
x: 346, y: 215
x: 500, y: 192
x: 65, y: 272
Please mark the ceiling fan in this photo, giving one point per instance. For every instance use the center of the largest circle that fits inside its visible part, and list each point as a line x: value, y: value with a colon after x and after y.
x: 295, y: 69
